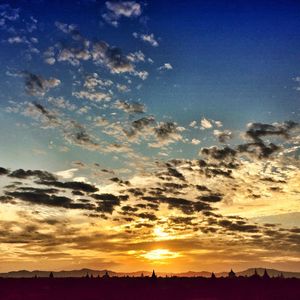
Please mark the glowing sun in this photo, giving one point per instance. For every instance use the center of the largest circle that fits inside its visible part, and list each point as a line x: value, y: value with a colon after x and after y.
x: 160, y: 254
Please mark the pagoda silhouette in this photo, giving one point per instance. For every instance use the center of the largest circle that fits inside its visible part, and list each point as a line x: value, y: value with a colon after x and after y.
x: 255, y: 275
x: 231, y: 274
x: 153, y: 276
x: 266, y: 275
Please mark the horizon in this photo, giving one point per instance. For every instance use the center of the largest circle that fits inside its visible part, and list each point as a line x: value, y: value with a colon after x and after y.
x: 157, y: 272
x: 141, y: 135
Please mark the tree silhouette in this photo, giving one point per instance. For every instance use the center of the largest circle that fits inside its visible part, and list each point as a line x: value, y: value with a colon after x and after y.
x: 51, y: 275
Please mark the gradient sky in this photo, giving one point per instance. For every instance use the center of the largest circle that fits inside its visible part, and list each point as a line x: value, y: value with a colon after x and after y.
x: 141, y: 135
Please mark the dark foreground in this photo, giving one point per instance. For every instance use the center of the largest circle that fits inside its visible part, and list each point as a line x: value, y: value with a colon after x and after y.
x: 146, y: 288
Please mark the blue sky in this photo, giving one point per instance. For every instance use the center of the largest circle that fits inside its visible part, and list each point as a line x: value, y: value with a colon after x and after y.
x: 132, y: 96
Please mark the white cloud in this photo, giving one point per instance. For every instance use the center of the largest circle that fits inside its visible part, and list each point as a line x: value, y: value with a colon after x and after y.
x: 195, y: 142
x: 148, y: 38
x: 66, y: 174
x: 205, y: 123
x: 166, y: 66
x: 116, y: 10
x: 93, y: 96
x: 193, y: 124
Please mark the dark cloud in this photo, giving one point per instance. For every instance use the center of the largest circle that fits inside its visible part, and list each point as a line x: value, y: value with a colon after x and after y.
x: 36, y: 85
x: 139, y: 126
x: 107, y: 202
x: 136, y: 191
x: 23, y: 174
x: 223, y: 136
x: 175, y: 173
x: 73, y: 185
x: 186, y: 206
x: 4, y: 171
x: 149, y: 216
x: 212, y: 172
x: 41, y: 198
x: 38, y: 190
x: 202, y: 188
x: 76, y: 133
x: 164, y: 130
x: 211, y: 198
x: 129, y: 209
x: 219, y: 154
x: 202, y: 206
x: 133, y: 107
x: 112, y: 58
x: 77, y: 193
x: 182, y: 220
x: 259, y: 149
x: 238, y: 226
x: 257, y: 131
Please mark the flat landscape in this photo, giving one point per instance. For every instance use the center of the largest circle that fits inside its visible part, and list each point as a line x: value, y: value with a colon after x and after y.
x: 147, y: 288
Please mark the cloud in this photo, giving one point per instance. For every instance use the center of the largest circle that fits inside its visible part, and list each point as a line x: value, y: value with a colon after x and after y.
x: 65, y: 28
x: 24, y: 174
x: 147, y: 38
x: 36, y: 85
x: 223, y: 136
x: 130, y: 107
x: 73, y: 185
x: 3, y: 171
x: 41, y: 198
x: 116, y: 10
x: 165, y: 66
x: 94, y: 81
x: 166, y: 133
x: 256, y: 131
x: 67, y: 174
x: 219, y: 154
x: 93, y: 96
x: 140, y: 127
x: 112, y: 58
x: 186, y: 206
x: 195, y: 142
x: 17, y: 40
x: 107, y: 202
x: 205, y: 123
x: 193, y: 124
x: 137, y: 56
x: 211, y: 198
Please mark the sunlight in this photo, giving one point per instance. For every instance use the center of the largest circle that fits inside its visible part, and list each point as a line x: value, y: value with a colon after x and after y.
x: 160, y: 254
x: 160, y: 233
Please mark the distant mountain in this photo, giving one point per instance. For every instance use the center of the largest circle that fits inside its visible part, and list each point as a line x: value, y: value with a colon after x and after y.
x: 271, y: 272
x: 96, y: 273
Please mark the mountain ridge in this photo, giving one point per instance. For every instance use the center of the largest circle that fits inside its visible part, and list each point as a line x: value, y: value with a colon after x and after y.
x: 95, y: 273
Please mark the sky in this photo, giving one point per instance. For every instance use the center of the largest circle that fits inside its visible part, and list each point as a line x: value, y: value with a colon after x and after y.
x: 140, y: 135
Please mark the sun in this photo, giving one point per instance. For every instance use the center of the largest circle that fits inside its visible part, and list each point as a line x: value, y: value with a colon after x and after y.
x: 160, y: 254
x: 160, y: 233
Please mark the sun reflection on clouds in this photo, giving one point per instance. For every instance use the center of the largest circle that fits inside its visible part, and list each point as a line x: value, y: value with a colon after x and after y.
x: 160, y: 254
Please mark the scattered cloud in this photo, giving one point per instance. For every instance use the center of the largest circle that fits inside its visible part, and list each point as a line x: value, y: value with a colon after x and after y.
x: 117, y: 10
x: 147, y: 38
